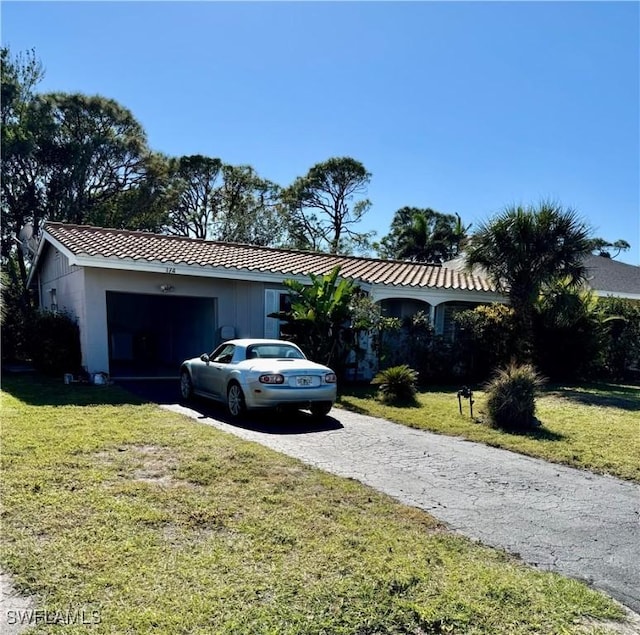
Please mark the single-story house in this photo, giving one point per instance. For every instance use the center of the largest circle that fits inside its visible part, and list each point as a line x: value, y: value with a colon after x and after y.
x: 144, y: 301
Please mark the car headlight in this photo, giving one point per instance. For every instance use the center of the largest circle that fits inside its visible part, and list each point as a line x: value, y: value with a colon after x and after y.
x: 271, y: 378
x: 330, y: 378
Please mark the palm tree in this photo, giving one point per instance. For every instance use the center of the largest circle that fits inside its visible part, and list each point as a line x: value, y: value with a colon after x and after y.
x: 525, y: 248
x: 423, y: 235
x: 414, y: 242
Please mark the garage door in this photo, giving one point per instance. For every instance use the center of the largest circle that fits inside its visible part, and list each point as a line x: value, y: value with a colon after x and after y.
x: 149, y: 335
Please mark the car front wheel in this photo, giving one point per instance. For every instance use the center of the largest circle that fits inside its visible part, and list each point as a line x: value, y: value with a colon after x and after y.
x: 186, y: 386
x: 235, y: 401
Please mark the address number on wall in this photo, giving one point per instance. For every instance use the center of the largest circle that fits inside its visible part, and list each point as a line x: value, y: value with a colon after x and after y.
x: 170, y: 269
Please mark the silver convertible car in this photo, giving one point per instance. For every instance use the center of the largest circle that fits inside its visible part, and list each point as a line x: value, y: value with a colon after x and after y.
x: 248, y: 374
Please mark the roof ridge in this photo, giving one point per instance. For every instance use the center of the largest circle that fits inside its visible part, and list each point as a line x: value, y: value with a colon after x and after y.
x: 139, y: 232
x: 237, y: 244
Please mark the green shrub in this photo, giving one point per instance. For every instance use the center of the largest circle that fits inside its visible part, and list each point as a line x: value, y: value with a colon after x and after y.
x: 409, y: 342
x: 620, y: 337
x: 55, y: 343
x: 511, y: 395
x: 396, y: 384
x: 413, y: 342
x: 566, y: 338
x: 487, y: 338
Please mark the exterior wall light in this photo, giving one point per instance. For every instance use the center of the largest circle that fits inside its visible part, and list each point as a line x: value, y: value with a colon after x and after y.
x: 53, y: 304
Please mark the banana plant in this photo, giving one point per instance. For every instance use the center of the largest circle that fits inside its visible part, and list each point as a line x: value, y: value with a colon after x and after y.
x: 320, y: 315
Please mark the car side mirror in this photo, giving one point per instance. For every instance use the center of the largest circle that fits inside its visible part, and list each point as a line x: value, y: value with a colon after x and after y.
x: 204, y: 357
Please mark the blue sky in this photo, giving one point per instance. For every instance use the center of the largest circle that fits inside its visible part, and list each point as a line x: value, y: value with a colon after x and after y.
x: 463, y: 107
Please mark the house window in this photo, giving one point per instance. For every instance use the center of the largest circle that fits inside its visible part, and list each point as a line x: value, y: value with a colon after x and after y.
x: 285, y: 303
x: 446, y: 324
x: 403, y: 307
x: 275, y: 300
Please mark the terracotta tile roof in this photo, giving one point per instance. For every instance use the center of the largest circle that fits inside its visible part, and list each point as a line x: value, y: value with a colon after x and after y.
x: 83, y: 240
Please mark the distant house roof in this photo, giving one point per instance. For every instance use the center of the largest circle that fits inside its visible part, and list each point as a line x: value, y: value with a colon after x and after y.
x: 95, y: 246
x: 610, y: 277
x: 605, y: 276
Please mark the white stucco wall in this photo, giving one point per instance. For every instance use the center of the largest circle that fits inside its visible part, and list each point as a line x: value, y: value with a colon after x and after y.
x: 433, y: 296
x: 82, y: 292
x: 69, y: 284
x: 67, y: 281
x: 240, y: 304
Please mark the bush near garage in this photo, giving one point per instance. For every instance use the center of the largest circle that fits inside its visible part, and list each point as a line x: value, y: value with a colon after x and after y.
x: 55, y: 343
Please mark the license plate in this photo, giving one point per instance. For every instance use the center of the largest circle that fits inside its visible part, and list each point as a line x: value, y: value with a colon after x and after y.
x: 304, y: 381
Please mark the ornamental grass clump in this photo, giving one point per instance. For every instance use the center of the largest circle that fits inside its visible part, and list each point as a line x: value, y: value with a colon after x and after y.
x: 511, y: 395
x: 396, y: 384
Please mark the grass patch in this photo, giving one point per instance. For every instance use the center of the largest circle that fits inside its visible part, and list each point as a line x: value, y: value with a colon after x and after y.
x: 594, y: 427
x: 156, y: 523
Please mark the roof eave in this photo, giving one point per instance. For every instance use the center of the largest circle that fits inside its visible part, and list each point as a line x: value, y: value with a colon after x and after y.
x: 182, y: 269
x: 54, y: 242
x: 602, y: 293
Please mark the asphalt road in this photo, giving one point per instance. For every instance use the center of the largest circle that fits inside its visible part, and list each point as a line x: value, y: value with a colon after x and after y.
x: 554, y: 517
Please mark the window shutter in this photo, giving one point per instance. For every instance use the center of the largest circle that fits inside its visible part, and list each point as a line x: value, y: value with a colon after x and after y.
x: 271, y: 305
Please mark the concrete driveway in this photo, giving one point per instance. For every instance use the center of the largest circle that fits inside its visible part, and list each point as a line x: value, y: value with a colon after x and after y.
x: 554, y: 517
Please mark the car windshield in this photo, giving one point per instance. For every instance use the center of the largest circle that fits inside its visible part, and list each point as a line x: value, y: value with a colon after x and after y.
x: 273, y: 351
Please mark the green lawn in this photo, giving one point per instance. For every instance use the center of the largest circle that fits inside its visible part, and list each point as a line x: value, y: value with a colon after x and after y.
x: 156, y: 523
x: 595, y: 427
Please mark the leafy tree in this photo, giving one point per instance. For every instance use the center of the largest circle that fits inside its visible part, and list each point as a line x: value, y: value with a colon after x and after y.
x: 20, y: 76
x: 322, y: 209
x: 603, y: 247
x: 423, y: 235
x: 198, y: 180
x: 224, y: 202
x: 94, y: 150
x: 22, y: 173
x: 17, y: 314
x: 71, y: 158
x: 251, y: 208
x: 145, y: 205
x: 524, y: 249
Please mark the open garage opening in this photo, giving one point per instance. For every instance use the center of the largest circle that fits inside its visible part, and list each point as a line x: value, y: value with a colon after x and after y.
x: 150, y: 335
